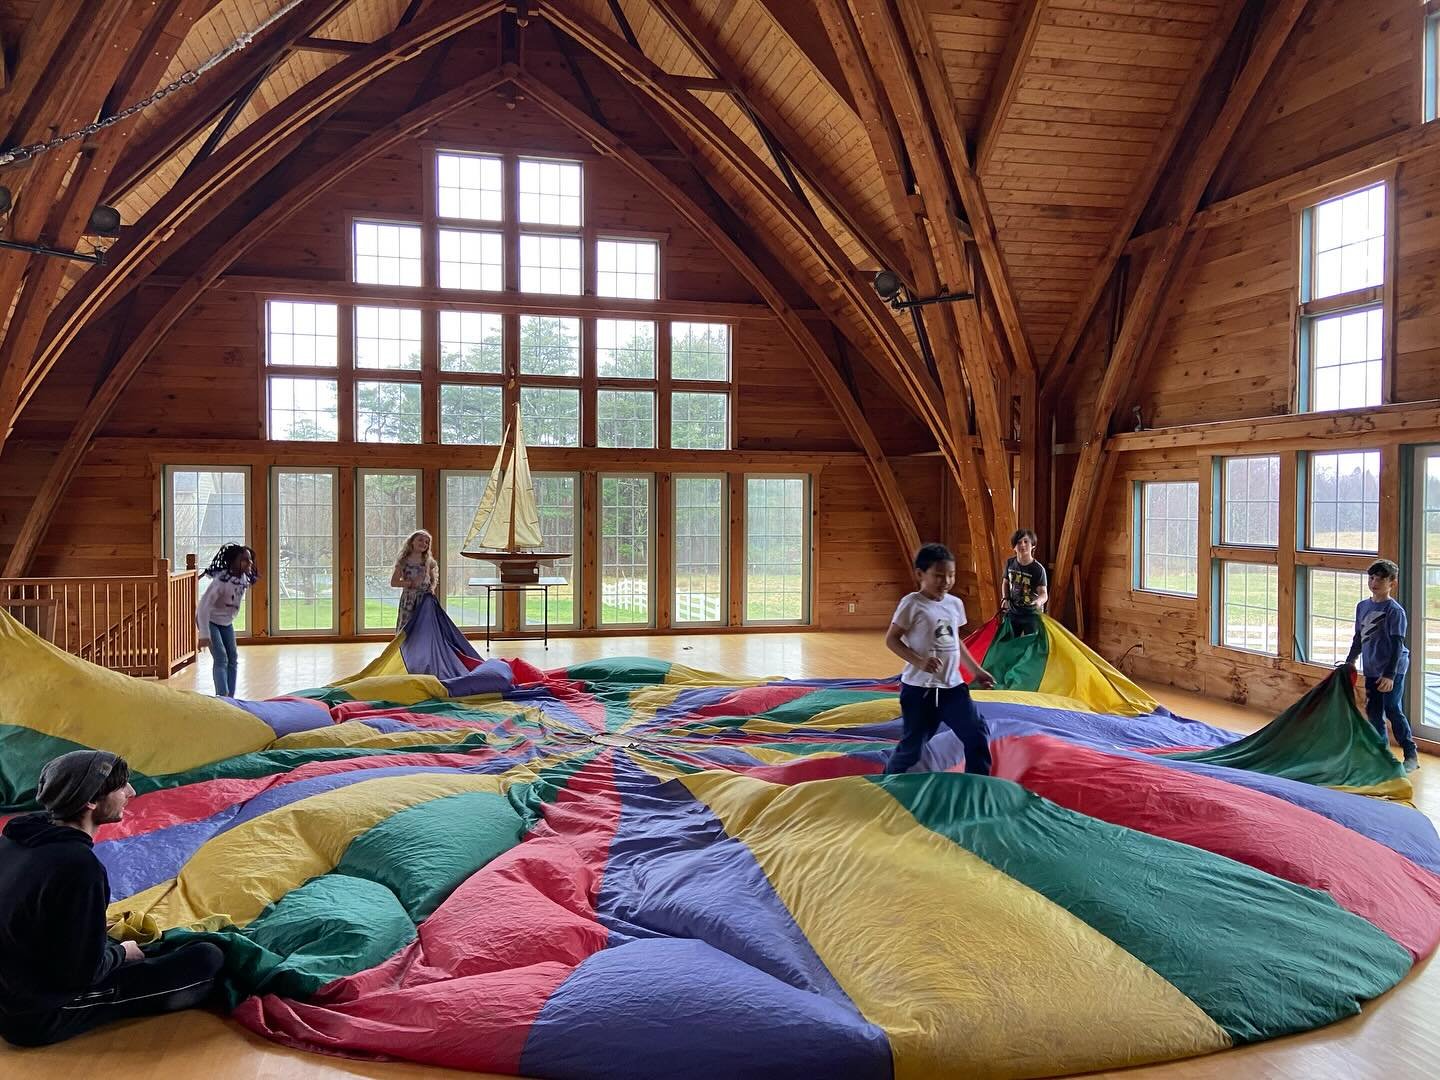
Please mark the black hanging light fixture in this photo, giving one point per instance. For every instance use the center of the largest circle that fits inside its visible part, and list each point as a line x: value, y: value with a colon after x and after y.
x: 892, y: 290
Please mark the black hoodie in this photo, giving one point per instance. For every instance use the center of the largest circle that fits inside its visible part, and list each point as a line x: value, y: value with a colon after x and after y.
x: 53, y: 895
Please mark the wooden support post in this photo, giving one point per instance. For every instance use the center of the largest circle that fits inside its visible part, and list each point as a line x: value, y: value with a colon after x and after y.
x: 164, y: 641
x: 1285, y: 569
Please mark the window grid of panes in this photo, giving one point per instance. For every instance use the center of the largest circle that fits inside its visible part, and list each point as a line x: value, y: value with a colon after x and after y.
x: 388, y: 508
x: 1343, y: 493
x: 1169, y: 531
x: 304, y: 410
x: 700, y: 534
x: 471, y: 414
x: 387, y: 338
x: 626, y: 567
x: 469, y: 186
x: 387, y: 253
x: 550, y: 192
x: 1346, y: 359
x: 1331, y: 596
x: 387, y: 411
x: 1251, y: 501
x: 471, y: 259
x: 776, y: 556
x: 460, y: 495
x: 1250, y: 607
x: 304, y: 550
x: 207, y: 509
x: 550, y: 264
x: 627, y: 268
x: 1343, y: 314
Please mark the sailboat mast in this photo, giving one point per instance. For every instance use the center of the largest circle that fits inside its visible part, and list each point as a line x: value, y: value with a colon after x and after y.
x: 514, y: 495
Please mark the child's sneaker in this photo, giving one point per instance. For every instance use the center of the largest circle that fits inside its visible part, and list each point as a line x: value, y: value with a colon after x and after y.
x: 1412, y: 761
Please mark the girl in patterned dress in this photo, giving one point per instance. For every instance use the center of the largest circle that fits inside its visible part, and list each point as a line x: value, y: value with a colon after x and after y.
x: 416, y: 573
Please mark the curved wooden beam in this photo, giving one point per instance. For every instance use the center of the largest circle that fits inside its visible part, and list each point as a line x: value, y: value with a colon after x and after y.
x: 37, y: 519
x: 701, y: 127
x: 69, y: 210
x: 199, y: 198
x: 611, y: 145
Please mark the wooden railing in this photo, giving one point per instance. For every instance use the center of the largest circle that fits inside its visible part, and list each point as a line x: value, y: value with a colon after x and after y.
x: 137, y: 625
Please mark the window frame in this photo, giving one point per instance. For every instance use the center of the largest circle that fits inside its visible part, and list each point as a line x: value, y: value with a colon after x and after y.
x: 652, y: 506
x: 1430, y: 69
x: 577, y: 576
x: 1139, y: 520
x: 725, y: 544
x: 202, y: 559
x: 360, y: 536
x: 807, y: 547
x: 353, y: 219
x: 441, y: 546
x: 273, y: 538
x: 1309, y: 312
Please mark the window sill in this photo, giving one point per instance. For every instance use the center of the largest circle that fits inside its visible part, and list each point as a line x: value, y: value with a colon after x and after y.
x: 1156, y: 598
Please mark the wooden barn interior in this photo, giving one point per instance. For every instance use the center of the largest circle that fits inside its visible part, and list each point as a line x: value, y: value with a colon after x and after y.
x: 1182, y: 257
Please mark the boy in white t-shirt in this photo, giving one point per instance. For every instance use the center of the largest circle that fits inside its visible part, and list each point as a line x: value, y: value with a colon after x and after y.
x: 925, y: 633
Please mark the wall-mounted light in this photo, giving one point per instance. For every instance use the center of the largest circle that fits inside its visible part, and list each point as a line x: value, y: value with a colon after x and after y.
x: 104, y: 221
x: 891, y: 289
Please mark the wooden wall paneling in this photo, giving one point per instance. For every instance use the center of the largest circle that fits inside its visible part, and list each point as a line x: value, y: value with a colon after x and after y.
x: 1355, y: 77
x: 1392, y: 522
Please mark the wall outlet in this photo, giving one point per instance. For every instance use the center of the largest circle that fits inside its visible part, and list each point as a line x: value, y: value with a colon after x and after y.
x: 850, y: 607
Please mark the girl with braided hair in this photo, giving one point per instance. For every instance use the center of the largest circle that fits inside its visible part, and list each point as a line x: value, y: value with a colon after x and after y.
x: 231, y: 572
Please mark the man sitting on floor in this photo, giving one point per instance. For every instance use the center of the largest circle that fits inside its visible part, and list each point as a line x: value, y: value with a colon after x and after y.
x: 59, y: 972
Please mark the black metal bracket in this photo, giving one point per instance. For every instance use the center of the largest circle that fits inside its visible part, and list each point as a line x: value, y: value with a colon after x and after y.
x: 97, y: 257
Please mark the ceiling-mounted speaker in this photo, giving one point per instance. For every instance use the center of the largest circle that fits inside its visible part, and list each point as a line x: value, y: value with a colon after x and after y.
x: 104, y: 221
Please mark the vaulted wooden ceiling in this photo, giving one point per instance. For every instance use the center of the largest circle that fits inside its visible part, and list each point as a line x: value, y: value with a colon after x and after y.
x: 1004, y: 147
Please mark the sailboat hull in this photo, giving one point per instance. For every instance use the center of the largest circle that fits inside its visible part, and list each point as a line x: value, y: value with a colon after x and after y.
x: 518, y: 567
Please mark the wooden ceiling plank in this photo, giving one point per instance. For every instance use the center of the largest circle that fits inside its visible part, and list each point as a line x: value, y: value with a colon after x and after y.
x: 840, y: 395
x: 207, y: 98
x: 35, y: 61
x: 1005, y: 85
x: 1155, y: 279
x: 335, y: 169
x: 1142, y: 193
x: 690, y: 25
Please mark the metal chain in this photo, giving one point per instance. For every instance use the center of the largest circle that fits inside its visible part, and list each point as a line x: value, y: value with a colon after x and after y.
x: 24, y: 153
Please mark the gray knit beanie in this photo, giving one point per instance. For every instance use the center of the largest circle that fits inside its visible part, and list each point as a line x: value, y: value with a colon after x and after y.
x: 72, y: 780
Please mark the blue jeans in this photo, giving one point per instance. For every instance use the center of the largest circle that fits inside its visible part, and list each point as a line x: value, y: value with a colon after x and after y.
x: 225, y: 658
x: 924, y: 710
x: 1379, y: 706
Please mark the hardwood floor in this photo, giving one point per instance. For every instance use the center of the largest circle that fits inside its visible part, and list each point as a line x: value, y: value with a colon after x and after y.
x: 1392, y: 1039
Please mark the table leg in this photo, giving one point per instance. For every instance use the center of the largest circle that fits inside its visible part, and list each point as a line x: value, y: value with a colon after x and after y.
x: 487, y: 619
x: 546, y: 628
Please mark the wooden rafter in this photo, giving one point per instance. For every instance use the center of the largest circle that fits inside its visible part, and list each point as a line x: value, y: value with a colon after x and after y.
x: 692, y: 126
x: 1053, y: 371
x: 101, y: 403
x: 65, y: 183
x: 1006, y: 82
x: 888, y: 146
x: 1155, y: 280
x: 779, y: 133
x: 912, y: 81
x: 209, y: 96
x: 831, y: 380
x: 36, y: 66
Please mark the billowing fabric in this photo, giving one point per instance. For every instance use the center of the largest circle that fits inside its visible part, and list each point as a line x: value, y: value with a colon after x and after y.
x: 631, y: 868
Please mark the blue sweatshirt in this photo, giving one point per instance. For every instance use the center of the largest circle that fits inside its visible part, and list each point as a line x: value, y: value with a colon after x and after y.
x: 1380, y: 627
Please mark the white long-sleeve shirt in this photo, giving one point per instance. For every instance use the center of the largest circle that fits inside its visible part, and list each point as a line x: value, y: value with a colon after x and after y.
x: 220, y: 602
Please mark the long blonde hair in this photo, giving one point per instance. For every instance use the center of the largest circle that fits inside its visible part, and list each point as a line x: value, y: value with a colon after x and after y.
x: 410, y: 543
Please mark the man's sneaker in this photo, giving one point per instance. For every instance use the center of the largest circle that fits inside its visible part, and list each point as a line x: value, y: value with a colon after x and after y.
x: 1412, y: 761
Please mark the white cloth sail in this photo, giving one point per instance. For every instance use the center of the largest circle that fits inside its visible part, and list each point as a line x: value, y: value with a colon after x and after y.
x: 507, y: 518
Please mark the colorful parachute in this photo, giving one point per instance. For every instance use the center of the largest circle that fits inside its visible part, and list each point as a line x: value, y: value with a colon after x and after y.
x: 631, y: 868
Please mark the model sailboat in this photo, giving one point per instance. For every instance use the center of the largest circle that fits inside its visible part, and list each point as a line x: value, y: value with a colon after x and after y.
x: 507, y: 521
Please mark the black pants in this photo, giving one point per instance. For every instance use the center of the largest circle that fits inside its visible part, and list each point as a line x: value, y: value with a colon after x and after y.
x: 924, y: 710
x: 177, y: 980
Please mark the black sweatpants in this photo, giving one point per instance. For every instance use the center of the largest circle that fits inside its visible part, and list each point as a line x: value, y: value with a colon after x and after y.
x: 924, y: 710
x: 177, y: 980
